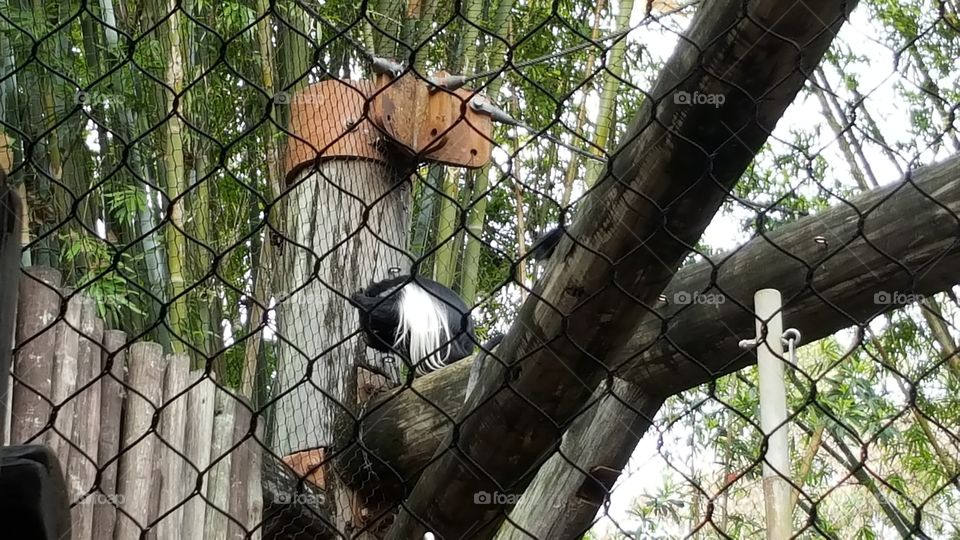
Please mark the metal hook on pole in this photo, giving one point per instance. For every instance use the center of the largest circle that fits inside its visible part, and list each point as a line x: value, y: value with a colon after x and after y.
x: 790, y: 338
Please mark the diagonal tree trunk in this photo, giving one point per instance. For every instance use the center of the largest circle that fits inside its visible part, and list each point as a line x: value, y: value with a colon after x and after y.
x: 701, y: 340
x: 563, y: 499
x: 684, y: 158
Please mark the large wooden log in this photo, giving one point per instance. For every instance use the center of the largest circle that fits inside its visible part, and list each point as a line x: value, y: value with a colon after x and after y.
x: 659, y: 192
x: 345, y: 226
x: 293, y: 508
x: 563, y: 499
x: 111, y: 413
x: 404, y: 428
x: 824, y: 287
x: 38, y: 308
x: 144, y: 395
x: 82, y: 462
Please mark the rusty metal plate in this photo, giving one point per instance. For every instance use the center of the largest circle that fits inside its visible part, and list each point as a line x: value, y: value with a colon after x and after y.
x: 435, y: 126
x: 327, y: 121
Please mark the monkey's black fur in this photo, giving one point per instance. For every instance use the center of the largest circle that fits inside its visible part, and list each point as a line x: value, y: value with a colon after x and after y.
x: 379, y: 307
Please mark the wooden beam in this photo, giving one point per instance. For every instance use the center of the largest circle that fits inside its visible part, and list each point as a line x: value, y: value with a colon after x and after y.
x: 660, y: 190
x: 900, y: 239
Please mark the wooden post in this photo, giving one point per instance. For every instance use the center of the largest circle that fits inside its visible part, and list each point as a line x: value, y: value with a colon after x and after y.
x: 325, y: 212
x: 242, y: 470
x: 37, y: 311
x: 82, y: 462
x: 65, y: 378
x: 199, y: 437
x: 173, y: 420
x: 10, y: 230
x: 316, y: 325
x: 255, y: 514
x: 146, y: 368
x: 215, y: 525
x: 113, y: 362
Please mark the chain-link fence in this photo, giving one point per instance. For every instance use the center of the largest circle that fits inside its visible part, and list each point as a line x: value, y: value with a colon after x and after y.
x: 487, y: 268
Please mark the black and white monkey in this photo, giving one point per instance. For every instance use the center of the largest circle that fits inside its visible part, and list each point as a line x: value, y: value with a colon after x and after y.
x: 417, y: 317
x: 425, y: 320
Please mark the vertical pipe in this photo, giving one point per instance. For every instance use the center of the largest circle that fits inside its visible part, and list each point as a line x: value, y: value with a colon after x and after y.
x: 773, y: 413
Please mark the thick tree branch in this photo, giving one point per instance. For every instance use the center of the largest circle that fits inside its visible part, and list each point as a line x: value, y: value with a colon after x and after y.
x: 403, y: 429
x: 660, y: 191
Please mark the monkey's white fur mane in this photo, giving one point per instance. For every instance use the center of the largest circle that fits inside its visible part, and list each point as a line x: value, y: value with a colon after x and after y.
x: 424, y: 327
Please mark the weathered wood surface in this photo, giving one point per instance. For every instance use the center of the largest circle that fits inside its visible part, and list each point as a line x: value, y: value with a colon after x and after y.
x: 347, y: 225
x: 403, y: 428
x: 174, y: 417
x: 144, y: 396
x: 839, y: 284
x: 10, y: 231
x: 824, y: 288
x: 38, y: 308
x: 112, y: 394
x: 347, y: 250
x: 563, y: 499
x: 659, y: 192
x: 201, y: 402
x: 221, y: 456
x: 65, y: 378
x: 294, y: 509
x: 244, y: 516
x: 82, y: 462
x: 255, y: 492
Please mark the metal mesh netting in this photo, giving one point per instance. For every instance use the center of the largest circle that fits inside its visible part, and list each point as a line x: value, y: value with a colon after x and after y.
x: 206, y: 187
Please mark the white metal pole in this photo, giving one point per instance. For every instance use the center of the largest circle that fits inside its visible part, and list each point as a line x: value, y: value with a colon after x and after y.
x: 773, y: 414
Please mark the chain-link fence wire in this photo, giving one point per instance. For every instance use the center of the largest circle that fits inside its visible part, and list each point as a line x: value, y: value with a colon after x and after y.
x: 187, y: 345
